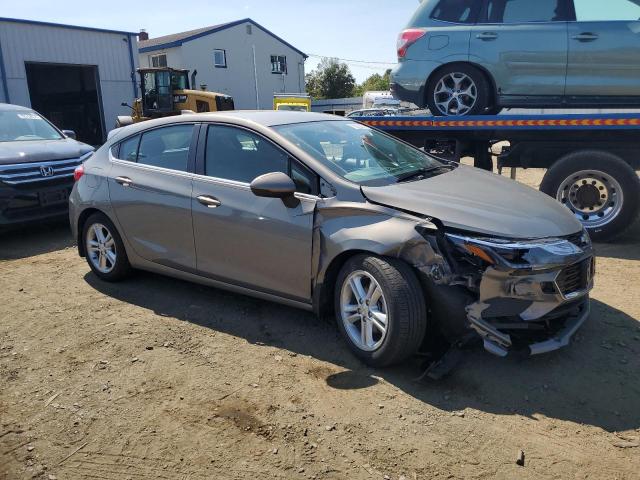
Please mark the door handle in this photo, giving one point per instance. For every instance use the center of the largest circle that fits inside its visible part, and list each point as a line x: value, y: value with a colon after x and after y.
x: 586, y: 37
x: 124, y: 181
x: 487, y: 36
x: 209, y: 202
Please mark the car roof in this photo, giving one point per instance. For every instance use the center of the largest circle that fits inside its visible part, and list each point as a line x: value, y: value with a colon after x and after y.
x: 7, y: 107
x: 247, y: 118
x: 270, y: 118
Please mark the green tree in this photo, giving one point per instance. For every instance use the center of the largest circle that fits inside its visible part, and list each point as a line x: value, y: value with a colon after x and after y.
x: 374, y: 83
x: 331, y: 79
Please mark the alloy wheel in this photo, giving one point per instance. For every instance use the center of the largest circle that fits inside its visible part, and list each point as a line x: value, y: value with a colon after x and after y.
x: 594, y: 197
x: 363, y: 309
x: 455, y: 94
x: 101, y: 248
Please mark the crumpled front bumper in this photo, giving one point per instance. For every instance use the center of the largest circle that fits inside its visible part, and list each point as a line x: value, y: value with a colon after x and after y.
x: 500, y: 344
x: 532, y: 311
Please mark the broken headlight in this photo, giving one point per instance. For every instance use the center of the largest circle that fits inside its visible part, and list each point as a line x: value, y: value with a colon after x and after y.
x: 522, y: 254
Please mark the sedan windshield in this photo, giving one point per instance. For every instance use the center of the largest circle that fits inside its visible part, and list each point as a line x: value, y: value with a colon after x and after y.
x: 361, y: 154
x: 24, y: 125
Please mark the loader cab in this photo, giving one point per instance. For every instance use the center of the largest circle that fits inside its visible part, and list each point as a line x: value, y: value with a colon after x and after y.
x: 158, y: 87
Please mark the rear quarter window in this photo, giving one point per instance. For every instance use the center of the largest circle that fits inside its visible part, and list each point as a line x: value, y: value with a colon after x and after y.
x: 452, y: 11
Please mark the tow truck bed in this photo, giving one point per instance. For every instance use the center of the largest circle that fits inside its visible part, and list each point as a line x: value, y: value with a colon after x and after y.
x: 591, y: 158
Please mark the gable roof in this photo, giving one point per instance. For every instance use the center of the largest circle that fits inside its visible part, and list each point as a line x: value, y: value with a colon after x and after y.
x: 177, y: 39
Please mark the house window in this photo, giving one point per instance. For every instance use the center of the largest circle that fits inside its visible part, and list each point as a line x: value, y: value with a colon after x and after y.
x: 158, y: 61
x: 278, y: 64
x: 220, y: 58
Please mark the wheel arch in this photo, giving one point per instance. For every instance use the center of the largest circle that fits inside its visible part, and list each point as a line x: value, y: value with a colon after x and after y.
x: 492, y: 82
x: 324, y: 289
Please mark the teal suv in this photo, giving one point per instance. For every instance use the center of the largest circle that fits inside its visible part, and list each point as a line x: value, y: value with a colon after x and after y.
x: 474, y: 57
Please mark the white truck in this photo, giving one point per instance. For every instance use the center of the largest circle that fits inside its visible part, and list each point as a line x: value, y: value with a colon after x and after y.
x: 379, y: 100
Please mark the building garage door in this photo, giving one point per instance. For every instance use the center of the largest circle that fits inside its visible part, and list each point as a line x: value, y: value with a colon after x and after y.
x: 69, y: 96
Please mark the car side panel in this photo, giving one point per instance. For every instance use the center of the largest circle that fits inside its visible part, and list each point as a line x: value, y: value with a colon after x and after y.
x: 253, y: 242
x: 154, y: 213
x: 608, y: 65
x: 524, y: 59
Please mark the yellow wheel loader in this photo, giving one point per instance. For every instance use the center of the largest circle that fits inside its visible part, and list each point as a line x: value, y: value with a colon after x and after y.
x: 166, y: 92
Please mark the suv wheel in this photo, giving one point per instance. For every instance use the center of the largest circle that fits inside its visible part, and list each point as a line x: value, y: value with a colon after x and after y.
x: 458, y: 90
x: 380, y: 309
x: 104, y: 249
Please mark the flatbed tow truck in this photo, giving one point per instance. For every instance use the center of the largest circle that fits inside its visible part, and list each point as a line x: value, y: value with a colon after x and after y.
x: 591, y: 159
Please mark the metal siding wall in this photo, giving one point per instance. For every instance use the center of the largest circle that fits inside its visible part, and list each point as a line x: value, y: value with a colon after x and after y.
x: 37, y: 43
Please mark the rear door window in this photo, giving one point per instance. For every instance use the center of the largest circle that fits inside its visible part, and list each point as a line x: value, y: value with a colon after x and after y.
x: 611, y: 10
x: 166, y: 147
x: 525, y: 11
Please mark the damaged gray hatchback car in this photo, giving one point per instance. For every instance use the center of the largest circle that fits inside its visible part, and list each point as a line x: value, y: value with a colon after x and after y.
x: 332, y: 216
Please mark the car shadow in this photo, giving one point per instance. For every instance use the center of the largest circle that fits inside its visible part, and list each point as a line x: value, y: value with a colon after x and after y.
x: 35, y: 239
x: 594, y: 381
x: 625, y: 247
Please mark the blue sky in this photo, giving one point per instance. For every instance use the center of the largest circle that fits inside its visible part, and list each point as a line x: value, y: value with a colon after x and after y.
x: 350, y: 29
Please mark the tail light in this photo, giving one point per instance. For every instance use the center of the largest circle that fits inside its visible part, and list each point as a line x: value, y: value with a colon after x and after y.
x: 407, y: 38
x: 78, y: 173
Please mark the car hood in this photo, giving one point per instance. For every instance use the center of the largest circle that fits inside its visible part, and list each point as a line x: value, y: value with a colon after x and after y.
x: 41, y: 151
x: 475, y: 200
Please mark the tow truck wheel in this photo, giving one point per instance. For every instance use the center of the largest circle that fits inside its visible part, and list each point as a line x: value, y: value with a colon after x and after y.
x: 601, y: 190
x: 458, y: 90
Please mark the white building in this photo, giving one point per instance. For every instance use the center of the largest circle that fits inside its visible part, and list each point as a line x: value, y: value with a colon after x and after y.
x: 241, y: 59
x: 75, y: 76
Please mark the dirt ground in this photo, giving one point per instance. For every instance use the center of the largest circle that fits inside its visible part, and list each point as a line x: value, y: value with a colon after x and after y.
x: 158, y: 378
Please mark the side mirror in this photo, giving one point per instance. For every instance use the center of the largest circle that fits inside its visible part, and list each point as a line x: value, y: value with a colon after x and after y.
x: 274, y: 185
x: 69, y: 133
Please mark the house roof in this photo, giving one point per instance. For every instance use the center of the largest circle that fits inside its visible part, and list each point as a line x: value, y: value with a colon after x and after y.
x: 177, y: 39
x: 62, y: 25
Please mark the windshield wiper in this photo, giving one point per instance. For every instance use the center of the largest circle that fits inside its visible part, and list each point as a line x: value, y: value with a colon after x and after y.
x: 420, y: 174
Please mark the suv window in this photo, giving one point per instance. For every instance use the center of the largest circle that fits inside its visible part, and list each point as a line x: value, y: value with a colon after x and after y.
x: 166, y: 147
x: 455, y: 11
x: 524, y: 11
x: 611, y: 10
x: 242, y: 156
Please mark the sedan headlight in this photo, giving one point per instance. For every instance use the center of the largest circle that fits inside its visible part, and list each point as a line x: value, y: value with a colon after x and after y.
x: 521, y: 254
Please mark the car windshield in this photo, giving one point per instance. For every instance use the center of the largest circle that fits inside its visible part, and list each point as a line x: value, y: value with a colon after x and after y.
x: 359, y: 153
x: 24, y: 125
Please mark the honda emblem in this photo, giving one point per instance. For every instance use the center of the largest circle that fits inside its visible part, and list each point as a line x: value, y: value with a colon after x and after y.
x: 46, y: 171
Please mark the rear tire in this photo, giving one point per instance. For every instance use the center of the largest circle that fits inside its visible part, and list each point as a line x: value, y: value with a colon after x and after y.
x: 104, y: 249
x: 601, y: 189
x: 458, y: 90
x: 401, y: 301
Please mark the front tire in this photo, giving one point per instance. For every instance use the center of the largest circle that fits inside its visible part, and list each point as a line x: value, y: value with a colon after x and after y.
x: 104, y: 249
x: 380, y: 309
x: 601, y: 190
x: 458, y: 90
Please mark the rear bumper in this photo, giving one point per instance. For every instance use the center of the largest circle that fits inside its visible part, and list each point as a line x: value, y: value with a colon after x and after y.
x: 24, y: 205
x: 408, y: 81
